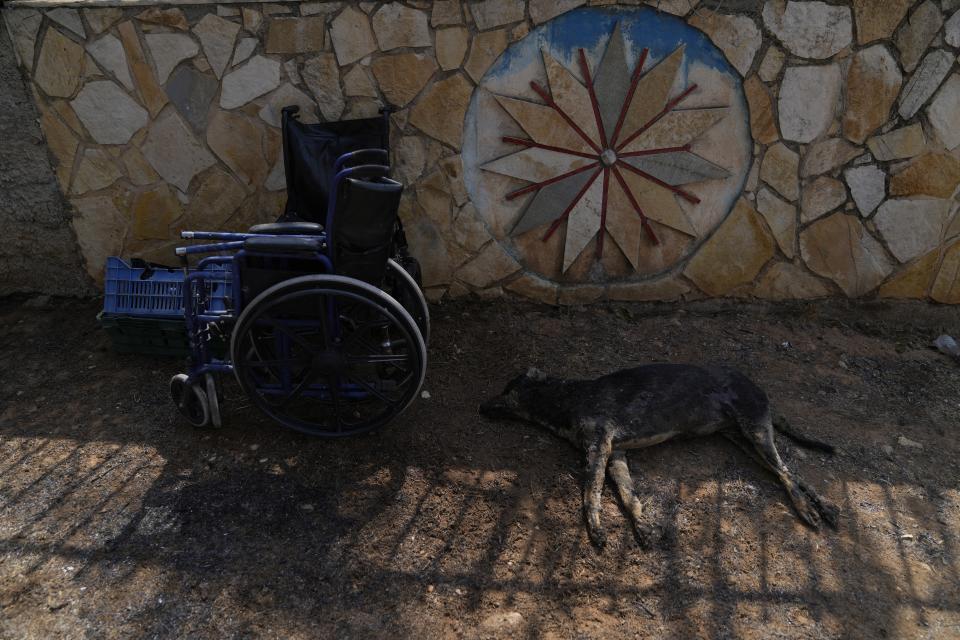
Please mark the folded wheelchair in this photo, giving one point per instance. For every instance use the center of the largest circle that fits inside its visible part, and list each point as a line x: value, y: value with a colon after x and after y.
x: 319, y: 315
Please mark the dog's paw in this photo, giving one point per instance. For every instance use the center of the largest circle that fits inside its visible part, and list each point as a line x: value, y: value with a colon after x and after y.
x: 808, y: 513
x: 830, y: 513
x: 645, y: 535
x: 598, y: 536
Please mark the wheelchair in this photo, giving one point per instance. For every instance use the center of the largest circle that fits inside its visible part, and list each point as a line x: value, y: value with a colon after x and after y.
x: 319, y: 316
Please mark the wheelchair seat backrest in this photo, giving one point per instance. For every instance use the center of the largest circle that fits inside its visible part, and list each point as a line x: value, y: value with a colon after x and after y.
x: 361, y: 229
x: 309, y: 154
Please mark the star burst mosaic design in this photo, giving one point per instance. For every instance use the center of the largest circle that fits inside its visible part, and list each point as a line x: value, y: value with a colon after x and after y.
x: 609, y: 153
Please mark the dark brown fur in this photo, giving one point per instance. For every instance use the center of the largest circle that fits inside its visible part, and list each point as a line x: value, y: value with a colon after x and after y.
x: 643, y: 406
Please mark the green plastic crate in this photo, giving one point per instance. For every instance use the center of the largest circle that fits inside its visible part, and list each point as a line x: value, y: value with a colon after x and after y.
x: 151, y: 336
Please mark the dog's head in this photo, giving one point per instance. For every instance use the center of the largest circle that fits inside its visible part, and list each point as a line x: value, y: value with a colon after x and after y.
x: 510, y: 403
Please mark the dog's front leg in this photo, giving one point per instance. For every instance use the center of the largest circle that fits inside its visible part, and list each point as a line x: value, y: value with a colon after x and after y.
x: 598, y: 453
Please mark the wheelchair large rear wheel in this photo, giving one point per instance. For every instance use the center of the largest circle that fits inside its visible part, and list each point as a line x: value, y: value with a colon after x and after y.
x: 405, y: 290
x: 328, y: 355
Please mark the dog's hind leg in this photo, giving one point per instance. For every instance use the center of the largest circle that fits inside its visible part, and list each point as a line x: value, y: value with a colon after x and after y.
x: 620, y: 474
x: 598, y: 453
x: 757, y: 442
x: 780, y: 424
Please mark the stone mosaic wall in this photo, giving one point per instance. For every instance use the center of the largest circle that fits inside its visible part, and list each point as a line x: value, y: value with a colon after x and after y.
x: 160, y: 118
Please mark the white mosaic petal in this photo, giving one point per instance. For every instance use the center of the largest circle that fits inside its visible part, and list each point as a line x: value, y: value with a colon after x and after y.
x: 583, y: 222
x: 536, y: 165
x: 676, y: 129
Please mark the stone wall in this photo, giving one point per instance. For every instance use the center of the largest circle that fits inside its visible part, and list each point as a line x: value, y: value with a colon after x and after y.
x: 38, y: 251
x: 806, y: 149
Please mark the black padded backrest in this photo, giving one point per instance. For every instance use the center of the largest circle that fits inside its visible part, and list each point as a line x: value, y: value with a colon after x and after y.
x: 363, y: 227
x: 310, y: 151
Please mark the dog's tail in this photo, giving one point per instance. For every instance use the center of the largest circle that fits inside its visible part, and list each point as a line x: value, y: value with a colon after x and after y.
x: 780, y: 424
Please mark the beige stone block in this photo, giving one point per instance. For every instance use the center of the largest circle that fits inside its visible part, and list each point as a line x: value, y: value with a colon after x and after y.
x: 736, y: 35
x: 781, y: 217
x: 935, y: 174
x: 95, y: 171
x: 62, y: 144
x: 486, y: 47
x: 915, y: 35
x: 136, y: 167
x: 905, y: 142
x: 322, y: 77
x: 451, y: 47
x: 446, y: 12
x: 820, y: 197
x: 352, y: 36
x: 735, y: 253
x: 826, y: 155
x: 763, y: 123
x: 216, y: 200
x: 874, y: 23
x: 873, y: 84
x: 59, y: 65
x: 772, y: 63
x: 946, y: 287
x: 102, y: 18
x: 491, y: 265
x: 839, y: 247
x: 356, y: 82
x: 402, y: 76
x: 171, y: 17
x: 153, y: 211
x: 780, y: 170
x: 787, y: 281
x: 440, y: 111
x: 396, y: 26
x: 151, y: 95
x: 252, y: 19
x: 430, y: 247
x: 235, y: 139
x: 468, y: 231
x: 493, y: 13
x: 100, y: 229
x: 295, y: 35
x: 914, y: 280
x: 453, y: 167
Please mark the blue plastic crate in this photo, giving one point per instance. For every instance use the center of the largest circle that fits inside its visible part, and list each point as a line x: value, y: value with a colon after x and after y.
x: 132, y: 291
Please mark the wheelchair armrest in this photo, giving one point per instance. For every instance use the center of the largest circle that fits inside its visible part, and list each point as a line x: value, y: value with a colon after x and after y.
x: 288, y: 228
x: 283, y: 244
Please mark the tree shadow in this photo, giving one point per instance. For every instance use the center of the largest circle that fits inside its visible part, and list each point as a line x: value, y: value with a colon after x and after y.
x: 117, y: 519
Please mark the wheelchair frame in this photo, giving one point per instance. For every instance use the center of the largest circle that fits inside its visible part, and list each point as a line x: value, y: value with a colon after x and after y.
x: 398, y: 335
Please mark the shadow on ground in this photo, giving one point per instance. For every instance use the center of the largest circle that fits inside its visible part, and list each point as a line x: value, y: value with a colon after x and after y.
x: 117, y: 520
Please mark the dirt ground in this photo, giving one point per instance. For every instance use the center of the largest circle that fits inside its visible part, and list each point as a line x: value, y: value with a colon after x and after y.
x: 118, y: 520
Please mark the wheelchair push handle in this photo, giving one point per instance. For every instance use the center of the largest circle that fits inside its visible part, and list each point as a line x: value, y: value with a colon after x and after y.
x: 362, y: 156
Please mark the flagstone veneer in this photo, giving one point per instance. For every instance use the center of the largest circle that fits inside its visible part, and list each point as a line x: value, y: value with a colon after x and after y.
x: 551, y: 150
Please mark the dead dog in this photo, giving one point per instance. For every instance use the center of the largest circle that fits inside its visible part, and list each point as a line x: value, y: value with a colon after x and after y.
x: 643, y: 406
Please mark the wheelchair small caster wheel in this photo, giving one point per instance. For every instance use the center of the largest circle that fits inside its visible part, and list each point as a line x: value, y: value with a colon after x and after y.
x: 191, y: 400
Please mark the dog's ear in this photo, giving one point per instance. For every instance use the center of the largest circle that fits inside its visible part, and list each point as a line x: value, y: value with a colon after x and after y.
x: 535, y: 374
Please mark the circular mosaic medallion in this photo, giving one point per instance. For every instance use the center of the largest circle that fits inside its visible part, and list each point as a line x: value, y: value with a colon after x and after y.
x: 607, y: 144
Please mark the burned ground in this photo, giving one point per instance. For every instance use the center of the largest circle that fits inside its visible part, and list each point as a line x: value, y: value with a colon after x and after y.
x: 118, y: 520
